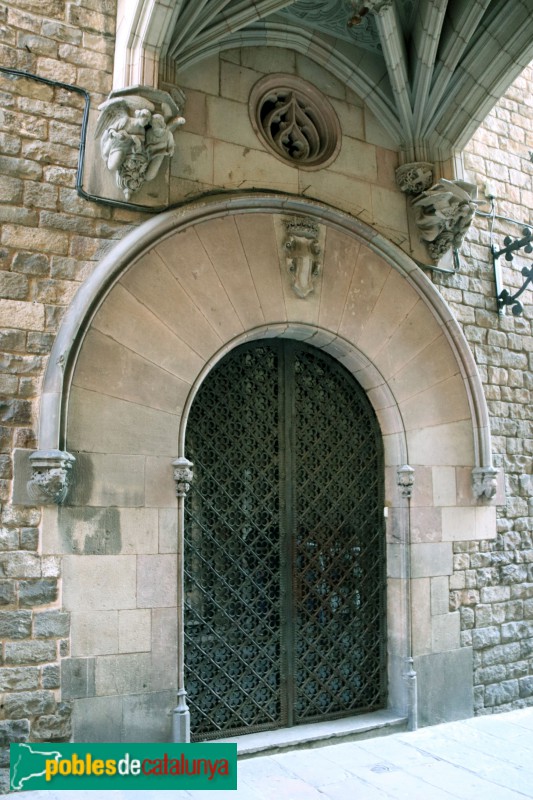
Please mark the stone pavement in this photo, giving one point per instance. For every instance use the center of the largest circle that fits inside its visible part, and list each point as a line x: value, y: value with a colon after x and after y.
x: 485, y: 758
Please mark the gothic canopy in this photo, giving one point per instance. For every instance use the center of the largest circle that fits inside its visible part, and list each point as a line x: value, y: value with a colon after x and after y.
x: 430, y: 70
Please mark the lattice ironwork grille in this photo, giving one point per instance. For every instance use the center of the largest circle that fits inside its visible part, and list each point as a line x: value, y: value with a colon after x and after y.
x: 284, y: 549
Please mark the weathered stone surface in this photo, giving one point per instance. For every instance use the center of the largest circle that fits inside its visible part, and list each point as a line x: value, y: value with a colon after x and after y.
x: 37, y: 592
x: 15, y: 624
x: 49, y: 624
x: 19, y: 678
x: 32, y: 652
x: 13, y: 731
x: 30, y: 704
x: 51, y: 676
x: 54, y: 727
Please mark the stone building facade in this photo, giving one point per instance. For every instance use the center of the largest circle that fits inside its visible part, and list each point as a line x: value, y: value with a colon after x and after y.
x: 112, y: 315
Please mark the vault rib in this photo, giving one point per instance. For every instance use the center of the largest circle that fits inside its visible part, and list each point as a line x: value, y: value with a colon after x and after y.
x: 192, y: 21
x: 395, y: 55
x: 426, y: 38
x: 454, y: 44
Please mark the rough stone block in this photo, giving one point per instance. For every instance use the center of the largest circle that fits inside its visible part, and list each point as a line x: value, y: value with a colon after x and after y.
x: 51, y: 676
x: 28, y: 704
x: 48, y: 624
x: 53, y: 727
x: 37, y: 592
x: 486, y: 637
x: 15, y: 624
x: 7, y: 593
x: 445, y: 686
x: 13, y: 731
x: 33, y: 652
x: 498, y: 693
x: 20, y: 565
x: 19, y: 678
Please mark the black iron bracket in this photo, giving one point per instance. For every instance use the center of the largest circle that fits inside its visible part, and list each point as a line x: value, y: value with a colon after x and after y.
x: 511, y: 246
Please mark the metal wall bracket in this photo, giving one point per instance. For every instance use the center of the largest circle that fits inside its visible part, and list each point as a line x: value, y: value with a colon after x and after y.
x: 504, y: 296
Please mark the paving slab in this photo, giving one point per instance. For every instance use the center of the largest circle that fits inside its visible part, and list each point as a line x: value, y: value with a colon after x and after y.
x: 485, y: 758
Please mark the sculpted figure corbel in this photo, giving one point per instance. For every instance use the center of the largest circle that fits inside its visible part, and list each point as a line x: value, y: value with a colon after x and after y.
x: 484, y: 482
x: 443, y: 214
x: 50, y: 480
x: 136, y: 131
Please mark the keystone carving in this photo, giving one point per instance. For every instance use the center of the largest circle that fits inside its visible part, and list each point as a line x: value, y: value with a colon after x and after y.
x: 415, y: 177
x: 183, y: 475
x: 136, y: 131
x: 484, y: 482
x: 51, y: 472
x: 302, y: 248
x: 443, y: 214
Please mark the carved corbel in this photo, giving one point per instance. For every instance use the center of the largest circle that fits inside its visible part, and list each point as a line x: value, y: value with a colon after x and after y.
x: 484, y: 482
x: 415, y: 177
x: 302, y: 248
x: 136, y: 131
x: 406, y: 480
x: 51, y: 472
x: 443, y: 214
x: 183, y: 475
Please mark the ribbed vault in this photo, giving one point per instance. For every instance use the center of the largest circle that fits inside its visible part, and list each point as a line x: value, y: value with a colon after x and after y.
x: 430, y: 70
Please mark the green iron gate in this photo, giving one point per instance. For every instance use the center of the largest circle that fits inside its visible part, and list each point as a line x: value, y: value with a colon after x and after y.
x: 284, y: 544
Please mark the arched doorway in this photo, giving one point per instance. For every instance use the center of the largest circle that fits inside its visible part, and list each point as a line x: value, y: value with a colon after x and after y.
x: 284, y: 560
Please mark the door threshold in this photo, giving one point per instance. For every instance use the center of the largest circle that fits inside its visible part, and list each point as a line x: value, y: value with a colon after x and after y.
x: 319, y: 734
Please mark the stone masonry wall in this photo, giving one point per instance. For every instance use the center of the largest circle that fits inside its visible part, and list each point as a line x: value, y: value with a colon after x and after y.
x: 492, y: 585
x: 50, y: 240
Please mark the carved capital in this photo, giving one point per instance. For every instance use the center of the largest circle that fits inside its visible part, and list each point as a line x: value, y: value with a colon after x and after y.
x: 415, y: 177
x: 301, y: 249
x: 406, y: 480
x: 443, y: 214
x: 51, y: 471
x: 484, y: 482
x: 183, y: 475
x: 136, y: 131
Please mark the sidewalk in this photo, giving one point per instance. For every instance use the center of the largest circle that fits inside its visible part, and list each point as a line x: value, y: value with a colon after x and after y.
x: 485, y: 758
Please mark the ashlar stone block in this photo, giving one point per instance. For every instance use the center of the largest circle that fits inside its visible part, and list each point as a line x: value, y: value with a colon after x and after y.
x: 431, y: 559
x: 99, y: 582
x: 134, y: 630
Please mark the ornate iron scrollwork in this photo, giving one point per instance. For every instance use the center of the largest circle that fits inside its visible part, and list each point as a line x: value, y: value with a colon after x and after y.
x: 504, y: 296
